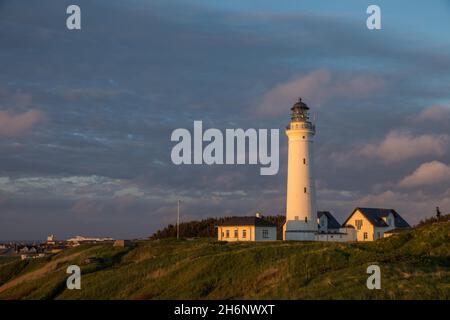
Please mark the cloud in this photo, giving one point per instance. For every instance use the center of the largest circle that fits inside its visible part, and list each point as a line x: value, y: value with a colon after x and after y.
x: 319, y: 86
x: 401, y: 145
x: 434, y: 113
x: 87, y: 206
x: 17, y: 124
x: 68, y: 187
x: 427, y: 174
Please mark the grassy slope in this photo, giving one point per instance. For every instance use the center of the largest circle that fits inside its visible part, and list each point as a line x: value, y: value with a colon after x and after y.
x: 414, y: 265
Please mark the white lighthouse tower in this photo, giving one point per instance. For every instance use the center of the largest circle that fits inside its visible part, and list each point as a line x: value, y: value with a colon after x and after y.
x: 301, y: 214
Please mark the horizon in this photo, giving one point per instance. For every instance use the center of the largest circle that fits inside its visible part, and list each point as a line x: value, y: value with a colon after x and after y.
x: 86, y: 116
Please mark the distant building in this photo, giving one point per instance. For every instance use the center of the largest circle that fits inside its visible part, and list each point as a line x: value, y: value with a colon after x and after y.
x: 247, y: 229
x: 374, y: 223
x: 32, y: 256
x: 51, y: 239
x: 80, y: 239
x: 122, y: 243
x: 27, y: 249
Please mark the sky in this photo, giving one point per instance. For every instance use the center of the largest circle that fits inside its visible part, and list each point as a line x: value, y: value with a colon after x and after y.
x: 86, y: 116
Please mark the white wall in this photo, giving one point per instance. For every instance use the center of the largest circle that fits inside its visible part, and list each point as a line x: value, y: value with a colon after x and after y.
x: 272, y: 233
x: 344, y: 235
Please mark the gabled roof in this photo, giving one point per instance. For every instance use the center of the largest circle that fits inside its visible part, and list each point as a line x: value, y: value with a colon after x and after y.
x: 332, y: 222
x: 247, y: 221
x: 376, y: 215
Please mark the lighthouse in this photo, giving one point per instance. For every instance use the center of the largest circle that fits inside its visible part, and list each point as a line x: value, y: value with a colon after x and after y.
x: 301, y: 216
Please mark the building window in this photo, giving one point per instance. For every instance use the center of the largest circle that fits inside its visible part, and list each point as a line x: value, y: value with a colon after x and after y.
x: 306, y: 219
x: 227, y: 233
x: 358, y: 224
x: 265, y: 234
x: 365, y: 236
x: 304, y: 189
x: 296, y: 217
x: 378, y: 235
x: 236, y: 234
x: 244, y: 233
x: 304, y: 160
x: 304, y: 137
x: 222, y: 234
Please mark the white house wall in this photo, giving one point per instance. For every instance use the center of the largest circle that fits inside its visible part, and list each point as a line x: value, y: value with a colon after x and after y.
x: 272, y: 233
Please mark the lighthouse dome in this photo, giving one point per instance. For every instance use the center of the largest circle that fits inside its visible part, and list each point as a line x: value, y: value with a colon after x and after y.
x: 299, y: 111
x: 299, y: 105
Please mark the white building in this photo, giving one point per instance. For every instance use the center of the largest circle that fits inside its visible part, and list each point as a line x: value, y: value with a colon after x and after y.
x: 303, y: 222
x: 331, y: 230
x: 375, y: 223
x: 81, y: 239
x: 301, y: 219
x: 246, y: 229
x: 51, y: 239
x: 326, y: 222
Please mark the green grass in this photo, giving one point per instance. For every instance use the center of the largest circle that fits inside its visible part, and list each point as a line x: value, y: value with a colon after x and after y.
x: 414, y: 265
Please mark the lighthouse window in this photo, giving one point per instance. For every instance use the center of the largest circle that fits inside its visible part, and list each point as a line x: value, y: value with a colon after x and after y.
x: 304, y: 161
x: 305, y: 189
x: 304, y: 137
x: 306, y: 219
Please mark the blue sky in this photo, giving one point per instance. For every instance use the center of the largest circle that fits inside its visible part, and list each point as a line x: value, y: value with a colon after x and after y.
x: 411, y: 18
x: 86, y: 116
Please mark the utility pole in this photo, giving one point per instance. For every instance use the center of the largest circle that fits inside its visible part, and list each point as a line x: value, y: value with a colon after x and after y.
x: 178, y: 219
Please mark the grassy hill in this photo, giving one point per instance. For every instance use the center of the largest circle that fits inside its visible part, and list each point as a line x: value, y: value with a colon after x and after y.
x: 414, y: 265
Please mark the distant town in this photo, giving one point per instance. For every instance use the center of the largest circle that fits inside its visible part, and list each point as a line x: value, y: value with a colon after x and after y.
x: 27, y: 250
